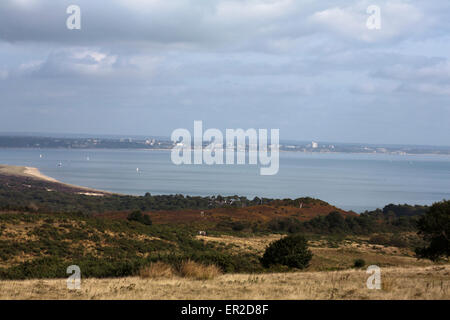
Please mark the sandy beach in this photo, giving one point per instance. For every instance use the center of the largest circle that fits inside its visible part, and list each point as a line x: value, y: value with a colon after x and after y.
x: 36, y: 174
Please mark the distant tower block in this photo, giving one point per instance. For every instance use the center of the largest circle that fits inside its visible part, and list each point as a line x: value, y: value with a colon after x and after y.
x: 314, y: 145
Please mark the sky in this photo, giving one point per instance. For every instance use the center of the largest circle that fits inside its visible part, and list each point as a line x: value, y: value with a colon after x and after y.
x: 312, y: 69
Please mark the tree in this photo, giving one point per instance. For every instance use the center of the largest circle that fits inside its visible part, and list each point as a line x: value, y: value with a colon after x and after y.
x: 434, y: 227
x: 139, y: 217
x: 291, y: 251
x: 336, y: 222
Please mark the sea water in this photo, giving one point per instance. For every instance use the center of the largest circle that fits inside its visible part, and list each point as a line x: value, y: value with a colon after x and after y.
x: 350, y: 181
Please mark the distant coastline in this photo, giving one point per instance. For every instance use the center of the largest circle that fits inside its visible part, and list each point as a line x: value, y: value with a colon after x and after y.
x: 309, y: 152
x: 150, y: 144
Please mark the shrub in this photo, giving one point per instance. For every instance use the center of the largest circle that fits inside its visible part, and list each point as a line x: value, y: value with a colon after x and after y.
x: 238, y: 226
x: 157, y: 270
x: 385, y: 240
x: 379, y: 239
x: 139, y: 217
x: 291, y: 251
x: 290, y: 225
x: 359, y: 263
x: 192, y: 269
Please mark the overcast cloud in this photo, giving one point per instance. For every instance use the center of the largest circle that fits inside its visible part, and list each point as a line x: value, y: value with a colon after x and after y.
x: 310, y: 68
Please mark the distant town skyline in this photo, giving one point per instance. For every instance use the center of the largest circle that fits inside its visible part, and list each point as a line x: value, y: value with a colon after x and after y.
x: 58, y: 140
x: 311, y: 69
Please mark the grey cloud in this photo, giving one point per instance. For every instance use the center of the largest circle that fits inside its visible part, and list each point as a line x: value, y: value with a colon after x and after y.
x: 150, y: 66
x: 211, y: 23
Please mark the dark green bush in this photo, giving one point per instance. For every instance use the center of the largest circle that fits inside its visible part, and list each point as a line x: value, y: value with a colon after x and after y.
x: 359, y: 263
x: 139, y: 217
x: 291, y: 251
x: 238, y: 226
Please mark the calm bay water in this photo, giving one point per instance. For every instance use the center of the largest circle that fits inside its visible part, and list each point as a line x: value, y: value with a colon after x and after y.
x: 349, y: 181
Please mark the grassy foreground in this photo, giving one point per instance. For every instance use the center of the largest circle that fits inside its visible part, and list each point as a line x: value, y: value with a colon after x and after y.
x: 431, y: 282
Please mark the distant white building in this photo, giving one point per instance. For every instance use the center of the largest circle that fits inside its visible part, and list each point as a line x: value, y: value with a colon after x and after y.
x: 314, y: 145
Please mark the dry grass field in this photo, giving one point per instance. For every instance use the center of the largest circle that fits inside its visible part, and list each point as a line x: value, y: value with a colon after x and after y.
x: 431, y: 282
x: 340, y: 256
x: 331, y: 274
x: 402, y: 277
